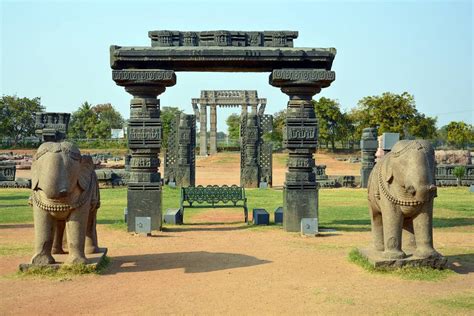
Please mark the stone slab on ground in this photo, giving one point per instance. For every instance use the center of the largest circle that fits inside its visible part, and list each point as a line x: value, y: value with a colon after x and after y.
x: 93, y: 260
x: 375, y: 258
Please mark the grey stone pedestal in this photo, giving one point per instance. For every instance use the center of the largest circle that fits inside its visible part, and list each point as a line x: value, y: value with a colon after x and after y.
x: 375, y: 258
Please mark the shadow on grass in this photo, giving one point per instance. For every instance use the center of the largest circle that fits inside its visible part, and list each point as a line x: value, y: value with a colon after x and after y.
x: 453, y: 222
x: 16, y: 226
x: 14, y: 198
x: 191, y: 262
x: 462, y: 264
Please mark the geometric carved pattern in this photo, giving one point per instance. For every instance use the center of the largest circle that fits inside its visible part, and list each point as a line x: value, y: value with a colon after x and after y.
x: 180, y: 159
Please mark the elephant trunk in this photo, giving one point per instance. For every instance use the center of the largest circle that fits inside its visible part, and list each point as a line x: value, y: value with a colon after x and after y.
x: 54, y: 181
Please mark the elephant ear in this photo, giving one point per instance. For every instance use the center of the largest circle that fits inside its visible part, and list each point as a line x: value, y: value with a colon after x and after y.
x: 87, y: 167
x: 34, y: 175
x: 387, y: 170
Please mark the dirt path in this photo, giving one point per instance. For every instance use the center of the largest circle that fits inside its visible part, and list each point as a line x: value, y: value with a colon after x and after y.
x: 231, y: 269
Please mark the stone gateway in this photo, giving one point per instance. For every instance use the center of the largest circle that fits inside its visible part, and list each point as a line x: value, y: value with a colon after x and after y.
x: 145, y: 72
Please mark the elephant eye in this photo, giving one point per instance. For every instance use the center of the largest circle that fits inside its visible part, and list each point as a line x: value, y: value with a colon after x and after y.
x: 75, y: 156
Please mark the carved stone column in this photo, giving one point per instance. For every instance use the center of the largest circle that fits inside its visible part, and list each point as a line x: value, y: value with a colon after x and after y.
x: 244, y: 109
x: 144, y: 141
x: 186, y: 164
x: 300, y: 194
x: 213, y: 132
x: 368, y: 147
x: 249, y: 174
x: 203, y: 131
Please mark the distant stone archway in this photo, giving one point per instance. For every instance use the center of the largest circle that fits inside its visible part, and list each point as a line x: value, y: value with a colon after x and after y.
x: 145, y: 72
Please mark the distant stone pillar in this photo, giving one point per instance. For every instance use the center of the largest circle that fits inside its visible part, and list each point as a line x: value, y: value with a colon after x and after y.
x: 368, y: 146
x: 254, y: 108
x: 213, y: 131
x: 300, y: 194
x: 144, y: 141
x: 249, y: 175
x: 244, y: 109
x: 186, y: 164
x: 203, y: 131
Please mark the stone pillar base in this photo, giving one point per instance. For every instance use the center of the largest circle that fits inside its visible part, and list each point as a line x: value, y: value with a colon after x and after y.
x: 144, y: 201
x: 298, y: 204
x: 364, y: 177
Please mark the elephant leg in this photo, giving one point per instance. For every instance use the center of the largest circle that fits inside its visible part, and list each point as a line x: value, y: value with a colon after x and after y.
x: 43, y: 237
x: 377, y: 229
x: 92, y: 245
x: 76, y: 234
x: 392, y: 233
x: 58, y: 237
x: 408, y: 236
x: 423, y: 226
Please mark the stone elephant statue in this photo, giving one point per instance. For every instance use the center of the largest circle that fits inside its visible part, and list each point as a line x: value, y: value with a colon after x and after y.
x: 401, y: 191
x: 65, y: 194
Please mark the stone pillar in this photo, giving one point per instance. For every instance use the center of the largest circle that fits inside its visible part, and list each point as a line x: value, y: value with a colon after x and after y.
x: 368, y: 147
x: 244, y: 109
x: 254, y: 108
x: 203, y: 131
x: 144, y: 141
x: 300, y: 194
x: 213, y: 132
x: 186, y: 164
x: 249, y: 175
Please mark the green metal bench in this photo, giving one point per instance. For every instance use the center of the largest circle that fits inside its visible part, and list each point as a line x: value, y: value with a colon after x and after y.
x: 214, y: 195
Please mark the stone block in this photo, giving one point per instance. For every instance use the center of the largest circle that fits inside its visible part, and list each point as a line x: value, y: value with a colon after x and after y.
x: 471, y: 188
x: 300, y: 203
x: 260, y: 216
x: 93, y: 260
x: 144, y: 203
x: 263, y: 185
x: 375, y: 258
x: 173, y: 216
x: 125, y: 214
x: 279, y: 215
x: 143, y: 225
x: 309, y: 226
x: 389, y: 139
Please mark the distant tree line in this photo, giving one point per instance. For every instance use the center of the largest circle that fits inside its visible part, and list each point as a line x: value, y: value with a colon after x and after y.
x: 388, y: 112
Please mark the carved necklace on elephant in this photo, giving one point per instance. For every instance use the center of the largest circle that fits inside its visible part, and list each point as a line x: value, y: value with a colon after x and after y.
x: 50, y: 206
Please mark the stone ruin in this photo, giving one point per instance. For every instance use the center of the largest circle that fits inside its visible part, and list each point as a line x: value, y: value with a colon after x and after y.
x: 146, y: 72
x: 180, y: 155
x: 255, y: 154
x: 222, y: 98
x: 51, y: 126
x: 368, y: 146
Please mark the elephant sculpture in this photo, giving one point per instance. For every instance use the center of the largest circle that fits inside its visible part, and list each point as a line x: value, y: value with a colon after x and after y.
x: 401, y: 191
x: 65, y: 194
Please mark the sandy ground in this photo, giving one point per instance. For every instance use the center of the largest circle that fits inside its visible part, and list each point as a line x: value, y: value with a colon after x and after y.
x: 227, y: 268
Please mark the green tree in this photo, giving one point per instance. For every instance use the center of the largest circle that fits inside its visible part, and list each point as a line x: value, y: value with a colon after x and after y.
x: 460, y: 134
x: 333, y: 124
x: 83, y: 122
x: 393, y: 113
x: 276, y: 135
x: 233, y: 126
x: 108, y: 117
x: 459, y: 172
x: 168, y: 114
x: 17, y: 116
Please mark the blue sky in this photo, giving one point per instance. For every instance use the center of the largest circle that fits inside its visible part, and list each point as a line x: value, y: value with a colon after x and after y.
x: 59, y: 50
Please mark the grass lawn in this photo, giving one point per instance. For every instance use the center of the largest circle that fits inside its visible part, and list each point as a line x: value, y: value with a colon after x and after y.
x: 342, y: 209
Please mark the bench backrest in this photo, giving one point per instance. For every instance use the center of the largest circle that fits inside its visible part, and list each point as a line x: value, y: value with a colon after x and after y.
x: 213, y: 194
